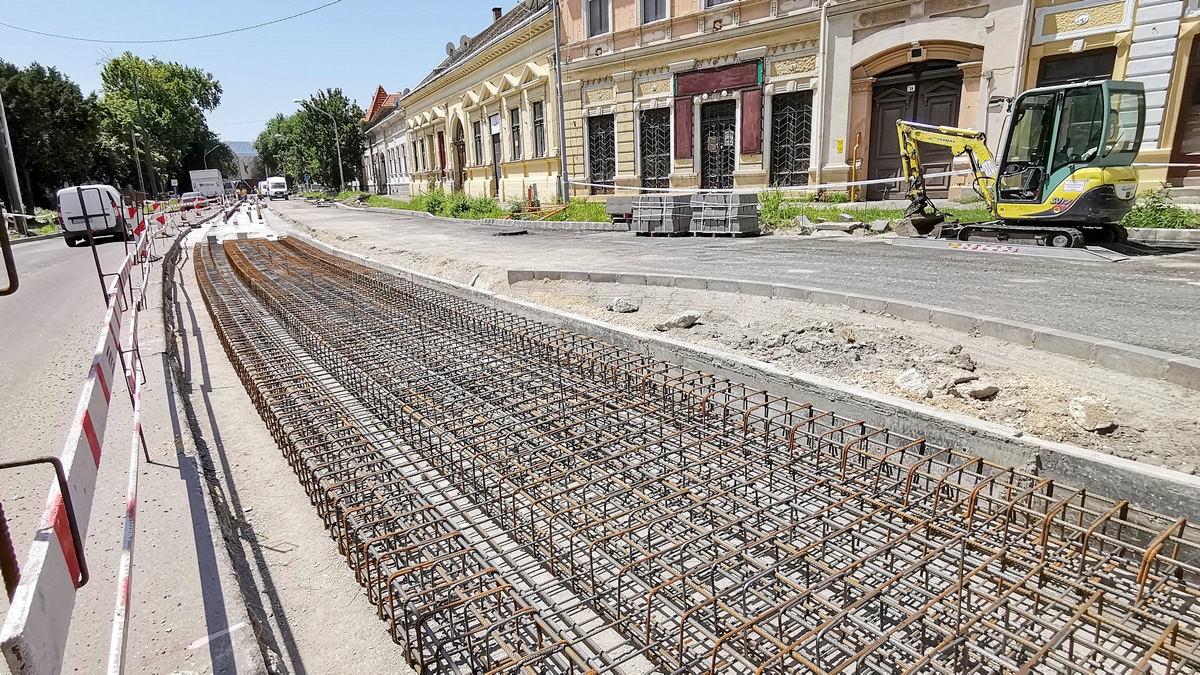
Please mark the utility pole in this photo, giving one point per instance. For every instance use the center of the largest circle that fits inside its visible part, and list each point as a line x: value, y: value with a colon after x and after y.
x: 137, y: 159
x: 564, y: 187
x: 10, y: 173
x: 137, y: 95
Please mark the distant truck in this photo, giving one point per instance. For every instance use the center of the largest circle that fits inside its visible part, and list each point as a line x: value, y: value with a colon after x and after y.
x: 263, y: 188
x: 277, y: 187
x: 96, y: 206
x: 208, y: 182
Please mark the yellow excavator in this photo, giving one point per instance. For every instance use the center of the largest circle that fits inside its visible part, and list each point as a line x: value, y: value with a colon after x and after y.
x: 1065, y: 176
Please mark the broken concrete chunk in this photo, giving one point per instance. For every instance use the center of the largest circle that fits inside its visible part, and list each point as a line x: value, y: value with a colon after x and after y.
x: 1091, y: 413
x: 841, y: 226
x: 980, y: 391
x: 960, y: 360
x: 803, y: 222
x: 622, y: 306
x: 879, y: 225
x: 685, y: 321
x: 845, y: 217
x: 914, y: 381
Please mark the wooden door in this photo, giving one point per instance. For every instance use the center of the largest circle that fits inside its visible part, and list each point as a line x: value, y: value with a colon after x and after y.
x: 1186, y: 149
x: 924, y: 92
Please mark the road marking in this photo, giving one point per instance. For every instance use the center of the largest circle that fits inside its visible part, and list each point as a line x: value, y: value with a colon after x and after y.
x: 212, y: 636
x: 1027, y: 281
x: 800, y: 272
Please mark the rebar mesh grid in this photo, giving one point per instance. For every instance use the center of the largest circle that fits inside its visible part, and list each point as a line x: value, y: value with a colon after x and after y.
x: 725, y: 528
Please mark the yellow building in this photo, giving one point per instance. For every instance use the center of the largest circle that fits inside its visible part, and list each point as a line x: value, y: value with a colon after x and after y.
x: 485, y: 120
x: 755, y: 93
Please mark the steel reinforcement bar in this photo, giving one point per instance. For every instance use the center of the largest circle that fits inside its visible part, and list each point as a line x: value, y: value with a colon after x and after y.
x: 725, y: 528
x: 450, y: 608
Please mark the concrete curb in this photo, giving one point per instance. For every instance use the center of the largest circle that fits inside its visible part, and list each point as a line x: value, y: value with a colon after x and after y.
x: 1119, y: 356
x: 1165, y: 236
x: 1162, y: 490
x: 30, y: 240
x: 570, y: 226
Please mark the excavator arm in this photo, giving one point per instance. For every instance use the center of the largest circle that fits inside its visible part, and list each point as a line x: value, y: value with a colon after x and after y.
x: 921, y: 212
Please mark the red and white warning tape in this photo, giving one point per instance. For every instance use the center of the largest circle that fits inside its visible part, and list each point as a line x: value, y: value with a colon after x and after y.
x: 34, y: 635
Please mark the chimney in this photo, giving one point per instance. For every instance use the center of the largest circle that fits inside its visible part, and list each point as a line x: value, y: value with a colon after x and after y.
x: 497, y: 12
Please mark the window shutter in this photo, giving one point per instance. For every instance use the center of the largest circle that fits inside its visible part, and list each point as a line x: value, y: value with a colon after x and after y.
x: 751, y: 121
x: 683, y: 127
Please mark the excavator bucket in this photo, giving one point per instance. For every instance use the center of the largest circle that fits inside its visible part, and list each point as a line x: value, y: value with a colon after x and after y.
x: 921, y: 218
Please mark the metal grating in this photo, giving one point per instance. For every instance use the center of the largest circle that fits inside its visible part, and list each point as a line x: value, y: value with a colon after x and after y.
x: 718, y: 144
x: 602, y: 152
x: 655, y: 147
x: 791, y: 138
x: 716, y: 526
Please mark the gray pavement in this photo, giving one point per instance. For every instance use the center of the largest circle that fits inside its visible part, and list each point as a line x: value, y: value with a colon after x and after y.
x: 186, y: 613
x: 1151, y: 301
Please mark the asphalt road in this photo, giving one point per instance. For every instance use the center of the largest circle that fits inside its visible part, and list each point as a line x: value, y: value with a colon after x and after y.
x: 48, y: 333
x: 1151, y: 301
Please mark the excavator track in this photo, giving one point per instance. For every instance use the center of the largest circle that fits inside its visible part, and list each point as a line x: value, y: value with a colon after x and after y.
x: 1057, y: 237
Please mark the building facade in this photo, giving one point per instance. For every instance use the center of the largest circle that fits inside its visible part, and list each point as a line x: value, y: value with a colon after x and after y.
x: 792, y: 93
x: 386, y: 160
x: 485, y: 120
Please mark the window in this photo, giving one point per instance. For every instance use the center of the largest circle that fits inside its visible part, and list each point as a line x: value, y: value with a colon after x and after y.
x: 416, y: 157
x: 514, y: 130
x: 714, y: 3
x: 653, y: 10
x: 1125, y: 123
x: 791, y: 135
x: 424, y: 156
x: 597, y: 17
x: 478, y: 130
x: 539, y: 129
x: 1080, y: 128
x: 403, y: 160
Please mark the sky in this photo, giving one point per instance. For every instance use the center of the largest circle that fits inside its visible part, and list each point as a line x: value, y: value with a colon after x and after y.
x: 356, y: 45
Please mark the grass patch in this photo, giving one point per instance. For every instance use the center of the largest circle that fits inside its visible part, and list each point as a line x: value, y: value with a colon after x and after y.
x: 1156, y: 209
x: 775, y: 211
x: 582, y: 211
x: 439, y: 203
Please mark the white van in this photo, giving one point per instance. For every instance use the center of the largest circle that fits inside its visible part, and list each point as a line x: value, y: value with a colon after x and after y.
x: 263, y: 188
x: 100, y: 207
x: 277, y: 187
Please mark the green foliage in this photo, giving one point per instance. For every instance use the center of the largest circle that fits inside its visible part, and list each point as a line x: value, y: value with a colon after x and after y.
x: 306, y: 142
x: 1156, y: 209
x: 777, y: 211
x: 582, y: 211
x: 166, y: 102
x: 435, y: 200
x: 438, y: 203
x: 55, y: 130
x: 835, y: 197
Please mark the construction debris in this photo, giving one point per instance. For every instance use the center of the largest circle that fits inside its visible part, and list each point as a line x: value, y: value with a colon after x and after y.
x: 622, y: 306
x: 685, y: 321
x: 1092, y: 414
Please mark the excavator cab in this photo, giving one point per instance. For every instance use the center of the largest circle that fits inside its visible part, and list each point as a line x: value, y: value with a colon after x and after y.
x: 1069, y: 153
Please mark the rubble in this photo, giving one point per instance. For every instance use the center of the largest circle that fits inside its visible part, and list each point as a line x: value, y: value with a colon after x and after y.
x: 685, y: 321
x: 1091, y: 413
x: 622, y: 306
x: 977, y: 390
x: 914, y: 381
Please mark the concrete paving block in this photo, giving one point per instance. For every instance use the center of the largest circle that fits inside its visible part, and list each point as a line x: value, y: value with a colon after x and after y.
x: 632, y: 279
x: 547, y: 274
x: 1132, y: 360
x: 1011, y: 331
x: 757, y: 288
x: 909, y: 310
x: 1067, y: 344
x: 692, y: 283
x: 602, y: 277
x: 956, y: 320
x: 789, y: 292
x: 660, y: 280
x: 515, y: 276
x: 1184, y: 371
x: 869, y: 303
x: 826, y: 297
x: 724, y: 285
x: 573, y: 276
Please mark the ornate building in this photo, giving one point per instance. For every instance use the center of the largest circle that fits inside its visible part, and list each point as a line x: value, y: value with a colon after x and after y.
x: 385, y: 161
x: 485, y: 120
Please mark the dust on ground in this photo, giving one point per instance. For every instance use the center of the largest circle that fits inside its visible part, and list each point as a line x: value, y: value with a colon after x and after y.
x: 1155, y: 421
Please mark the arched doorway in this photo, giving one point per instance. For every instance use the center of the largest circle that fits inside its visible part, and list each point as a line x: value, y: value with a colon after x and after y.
x: 460, y: 156
x: 929, y: 92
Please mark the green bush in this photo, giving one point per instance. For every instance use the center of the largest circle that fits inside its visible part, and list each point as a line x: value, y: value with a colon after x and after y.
x: 1156, y: 209
x: 835, y: 198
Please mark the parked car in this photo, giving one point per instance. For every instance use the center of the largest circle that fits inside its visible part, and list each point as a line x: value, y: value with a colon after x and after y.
x: 96, y: 206
x: 192, y: 200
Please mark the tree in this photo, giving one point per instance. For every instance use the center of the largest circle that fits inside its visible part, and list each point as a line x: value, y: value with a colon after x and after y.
x: 55, y: 130
x: 166, y: 102
x: 308, y: 144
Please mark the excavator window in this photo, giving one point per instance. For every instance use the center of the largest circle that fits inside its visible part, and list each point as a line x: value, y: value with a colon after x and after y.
x: 1080, y: 128
x: 1124, y: 123
x: 1025, y: 157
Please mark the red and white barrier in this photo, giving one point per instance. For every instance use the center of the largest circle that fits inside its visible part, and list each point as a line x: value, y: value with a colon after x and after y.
x: 34, y: 635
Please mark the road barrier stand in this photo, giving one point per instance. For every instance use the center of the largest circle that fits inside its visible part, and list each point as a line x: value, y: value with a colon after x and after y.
x: 34, y: 636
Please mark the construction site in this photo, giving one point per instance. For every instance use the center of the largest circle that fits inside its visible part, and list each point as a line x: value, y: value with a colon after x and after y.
x: 516, y: 497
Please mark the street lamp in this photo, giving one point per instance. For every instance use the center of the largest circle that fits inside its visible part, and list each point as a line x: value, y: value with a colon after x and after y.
x: 210, y: 150
x: 336, y: 140
x: 137, y: 159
